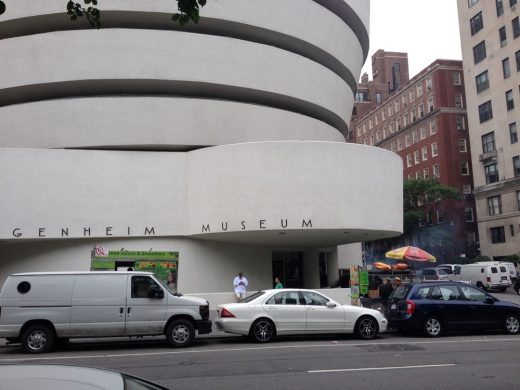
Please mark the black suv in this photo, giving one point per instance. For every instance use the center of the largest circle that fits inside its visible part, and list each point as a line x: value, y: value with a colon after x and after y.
x: 436, y: 307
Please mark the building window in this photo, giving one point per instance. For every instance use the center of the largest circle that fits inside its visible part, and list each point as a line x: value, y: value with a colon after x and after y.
x: 409, y: 161
x: 471, y: 3
x: 422, y: 132
x: 502, y: 36
x: 418, y: 174
x: 407, y: 140
x: 378, y: 98
x: 458, y: 101
x: 397, y: 107
x: 430, y: 104
x: 482, y: 81
x: 463, y: 147
x: 488, y: 142
x: 476, y: 23
x: 516, y: 166
x: 372, y: 139
x: 435, y: 150
x: 461, y: 123
x: 418, y: 89
x: 517, y: 55
x: 491, y: 173
x: 361, y: 97
x: 500, y: 7
x: 485, y: 111
x: 466, y: 190
x: 518, y: 199
x: 398, y: 123
x: 494, y: 205
x: 429, y: 84
x: 498, y: 235
x: 424, y: 153
x: 469, y: 214
x: 416, y: 157
x: 509, y: 100
x: 479, y: 52
x: 411, y: 96
x: 436, y: 171
x: 415, y: 137
x: 433, y: 127
x: 464, y: 168
x: 457, y: 80
x: 426, y: 173
x: 392, y: 147
x: 506, y: 70
x: 512, y: 133
x: 512, y: 3
x: 399, y: 144
x: 516, y: 27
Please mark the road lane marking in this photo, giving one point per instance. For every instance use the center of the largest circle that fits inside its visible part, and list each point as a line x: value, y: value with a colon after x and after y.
x: 378, y: 368
x: 213, y: 350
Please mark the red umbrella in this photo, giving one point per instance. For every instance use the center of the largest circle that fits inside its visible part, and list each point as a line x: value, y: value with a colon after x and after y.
x: 411, y: 253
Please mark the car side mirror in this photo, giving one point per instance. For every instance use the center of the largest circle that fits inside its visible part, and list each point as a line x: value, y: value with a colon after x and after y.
x: 155, y: 292
x: 489, y: 300
x: 330, y: 305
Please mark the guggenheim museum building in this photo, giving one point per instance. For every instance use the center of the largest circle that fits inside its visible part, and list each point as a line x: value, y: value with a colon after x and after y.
x: 205, y: 149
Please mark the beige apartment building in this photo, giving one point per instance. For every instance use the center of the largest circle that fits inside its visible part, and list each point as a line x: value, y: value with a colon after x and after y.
x: 490, y: 39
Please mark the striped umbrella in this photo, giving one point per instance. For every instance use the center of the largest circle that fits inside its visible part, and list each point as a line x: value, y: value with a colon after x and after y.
x: 410, y: 253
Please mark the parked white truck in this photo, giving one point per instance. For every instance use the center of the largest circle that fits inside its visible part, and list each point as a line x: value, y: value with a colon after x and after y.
x: 39, y: 309
x: 485, y: 275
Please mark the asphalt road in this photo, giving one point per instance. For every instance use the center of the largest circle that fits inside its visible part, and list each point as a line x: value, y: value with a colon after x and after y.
x: 392, y: 361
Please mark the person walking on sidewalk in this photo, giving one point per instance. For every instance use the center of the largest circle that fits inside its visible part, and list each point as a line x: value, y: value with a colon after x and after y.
x: 277, y: 283
x: 239, y: 284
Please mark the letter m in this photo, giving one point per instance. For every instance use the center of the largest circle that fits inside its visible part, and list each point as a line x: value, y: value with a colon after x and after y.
x: 205, y: 228
x: 307, y: 224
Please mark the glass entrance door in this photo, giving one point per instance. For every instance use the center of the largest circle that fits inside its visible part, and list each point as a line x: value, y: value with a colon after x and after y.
x: 288, y: 266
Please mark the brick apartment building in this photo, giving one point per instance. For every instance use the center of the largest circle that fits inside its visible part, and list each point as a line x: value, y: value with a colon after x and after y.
x: 424, y: 121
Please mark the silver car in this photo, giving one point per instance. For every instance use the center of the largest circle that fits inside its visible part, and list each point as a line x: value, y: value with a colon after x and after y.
x: 269, y: 313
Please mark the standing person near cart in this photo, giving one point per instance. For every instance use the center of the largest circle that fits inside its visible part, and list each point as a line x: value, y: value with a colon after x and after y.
x: 385, y: 290
x: 239, y: 285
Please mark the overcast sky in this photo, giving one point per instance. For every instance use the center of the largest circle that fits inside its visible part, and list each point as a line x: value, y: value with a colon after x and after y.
x: 425, y: 29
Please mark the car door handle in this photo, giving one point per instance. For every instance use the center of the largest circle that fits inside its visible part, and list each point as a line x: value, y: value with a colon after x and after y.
x: 310, y: 308
x: 129, y: 311
x: 121, y: 311
x: 271, y: 308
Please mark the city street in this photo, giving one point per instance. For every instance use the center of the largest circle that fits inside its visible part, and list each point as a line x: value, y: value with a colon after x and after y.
x: 392, y: 361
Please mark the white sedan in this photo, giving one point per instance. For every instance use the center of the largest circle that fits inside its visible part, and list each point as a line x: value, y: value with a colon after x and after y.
x: 269, y: 313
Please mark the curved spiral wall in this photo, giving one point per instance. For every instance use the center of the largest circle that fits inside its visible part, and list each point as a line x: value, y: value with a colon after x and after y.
x: 229, y: 130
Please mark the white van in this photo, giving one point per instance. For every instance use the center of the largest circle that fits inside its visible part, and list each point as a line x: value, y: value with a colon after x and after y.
x: 512, y: 270
x: 485, y: 275
x: 39, y: 309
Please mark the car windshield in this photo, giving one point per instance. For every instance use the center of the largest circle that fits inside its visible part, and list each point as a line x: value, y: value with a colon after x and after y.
x: 252, y: 297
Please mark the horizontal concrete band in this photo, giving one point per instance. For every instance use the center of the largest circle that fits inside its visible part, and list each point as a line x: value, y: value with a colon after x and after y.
x: 347, y: 21
x: 263, y: 71
x: 152, y: 123
x: 245, y: 193
x: 161, y: 21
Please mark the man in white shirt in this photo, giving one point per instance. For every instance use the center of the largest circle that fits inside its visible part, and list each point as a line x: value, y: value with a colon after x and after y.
x: 240, y: 284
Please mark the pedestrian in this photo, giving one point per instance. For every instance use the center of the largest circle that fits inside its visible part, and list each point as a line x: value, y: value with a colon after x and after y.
x: 239, y: 285
x: 277, y: 283
x: 516, y: 286
x: 397, y: 282
x: 385, y: 290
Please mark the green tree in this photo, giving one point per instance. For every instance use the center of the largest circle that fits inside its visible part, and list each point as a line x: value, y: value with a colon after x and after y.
x: 187, y: 10
x: 421, y: 201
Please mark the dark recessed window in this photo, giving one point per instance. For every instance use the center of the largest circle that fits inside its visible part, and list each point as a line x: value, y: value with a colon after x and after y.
x: 512, y: 3
x: 502, y: 35
x: 516, y: 27
x: 23, y: 287
x: 498, y: 235
x: 488, y: 142
x: 509, y: 100
x: 516, y: 166
x: 476, y: 23
x: 479, y: 52
x: 506, y: 70
x: 491, y: 172
x: 517, y: 55
x: 495, y: 205
x: 482, y: 81
x: 485, y: 111
x: 500, y: 7
x: 513, y: 135
x: 471, y: 3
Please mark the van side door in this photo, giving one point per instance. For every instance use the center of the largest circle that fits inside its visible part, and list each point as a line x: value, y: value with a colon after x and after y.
x: 98, y: 305
x: 146, y: 306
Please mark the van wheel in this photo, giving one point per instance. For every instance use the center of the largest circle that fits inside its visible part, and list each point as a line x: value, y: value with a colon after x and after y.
x: 180, y: 333
x: 38, y: 339
x: 366, y: 328
x: 432, y: 327
x: 262, y: 331
x: 511, y: 324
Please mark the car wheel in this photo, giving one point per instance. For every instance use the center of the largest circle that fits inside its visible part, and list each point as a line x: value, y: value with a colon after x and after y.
x: 38, y: 339
x: 180, y: 333
x: 511, y: 324
x: 262, y: 330
x: 432, y: 327
x: 366, y: 328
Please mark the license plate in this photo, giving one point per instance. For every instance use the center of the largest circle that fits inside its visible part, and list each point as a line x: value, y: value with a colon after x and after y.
x: 504, y: 277
x: 393, y: 307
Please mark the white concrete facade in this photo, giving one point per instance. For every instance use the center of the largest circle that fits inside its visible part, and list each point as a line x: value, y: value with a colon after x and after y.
x: 222, y: 141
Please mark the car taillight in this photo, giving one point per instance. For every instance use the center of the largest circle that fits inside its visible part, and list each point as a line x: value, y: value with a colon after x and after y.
x: 410, y: 307
x: 225, y: 313
x: 488, y: 279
